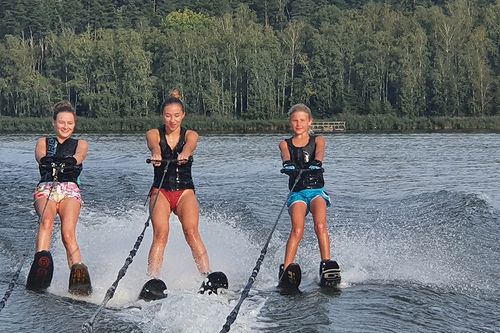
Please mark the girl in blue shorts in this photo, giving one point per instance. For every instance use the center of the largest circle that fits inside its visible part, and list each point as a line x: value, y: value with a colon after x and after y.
x: 302, y: 156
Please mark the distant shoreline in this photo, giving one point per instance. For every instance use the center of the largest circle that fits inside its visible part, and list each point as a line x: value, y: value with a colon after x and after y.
x: 212, y: 125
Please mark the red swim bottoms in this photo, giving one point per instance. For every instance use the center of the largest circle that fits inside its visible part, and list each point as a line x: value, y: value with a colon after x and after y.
x: 171, y: 196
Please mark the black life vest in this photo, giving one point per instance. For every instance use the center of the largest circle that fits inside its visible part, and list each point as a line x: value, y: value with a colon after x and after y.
x: 301, y: 157
x: 61, y: 150
x: 178, y: 177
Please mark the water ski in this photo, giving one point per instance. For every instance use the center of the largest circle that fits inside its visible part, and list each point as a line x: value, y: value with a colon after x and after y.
x: 290, y: 278
x: 79, y: 280
x: 42, y: 269
x: 213, y: 282
x: 153, y: 290
x: 329, y: 274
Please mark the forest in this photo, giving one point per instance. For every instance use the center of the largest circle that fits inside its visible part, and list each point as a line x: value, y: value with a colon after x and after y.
x: 251, y: 60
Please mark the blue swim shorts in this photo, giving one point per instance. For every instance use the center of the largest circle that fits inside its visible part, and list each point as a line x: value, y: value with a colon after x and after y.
x: 307, y: 196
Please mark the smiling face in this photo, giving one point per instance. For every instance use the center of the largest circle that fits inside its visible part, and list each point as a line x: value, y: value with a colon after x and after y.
x: 173, y: 114
x: 300, y: 122
x: 64, y: 124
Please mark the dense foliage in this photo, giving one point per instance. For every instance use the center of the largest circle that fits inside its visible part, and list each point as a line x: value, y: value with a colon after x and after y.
x: 251, y: 59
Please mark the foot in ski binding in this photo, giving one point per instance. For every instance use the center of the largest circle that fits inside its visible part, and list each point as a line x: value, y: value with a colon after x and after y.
x: 153, y: 290
x: 42, y: 269
x: 290, y: 277
x: 329, y: 273
x: 214, y: 282
x: 79, y: 280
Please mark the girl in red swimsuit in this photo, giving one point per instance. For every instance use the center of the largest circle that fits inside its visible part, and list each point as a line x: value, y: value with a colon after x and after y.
x: 176, y: 193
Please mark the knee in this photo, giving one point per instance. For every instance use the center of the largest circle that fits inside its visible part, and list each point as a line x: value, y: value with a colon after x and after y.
x: 160, y: 238
x: 320, y: 228
x: 68, y: 238
x: 191, y: 234
x: 46, y: 225
x: 297, y: 233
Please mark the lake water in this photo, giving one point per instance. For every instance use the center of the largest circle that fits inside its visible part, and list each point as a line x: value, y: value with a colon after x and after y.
x: 414, y: 226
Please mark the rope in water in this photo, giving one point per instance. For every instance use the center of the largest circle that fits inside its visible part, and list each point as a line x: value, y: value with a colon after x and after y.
x: 13, y: 282
x: 88, y: 326
x: 244, y: 294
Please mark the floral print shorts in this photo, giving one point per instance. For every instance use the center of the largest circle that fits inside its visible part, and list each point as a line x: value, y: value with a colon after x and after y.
x: 57, y: 191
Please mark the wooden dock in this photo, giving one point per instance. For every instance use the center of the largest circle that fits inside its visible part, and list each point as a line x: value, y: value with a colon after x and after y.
x: 328, y: 126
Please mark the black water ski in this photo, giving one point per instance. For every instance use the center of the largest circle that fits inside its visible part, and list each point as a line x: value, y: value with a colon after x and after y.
x: 79, y: 280
x: 329, y: 274
x: 290, y: 278
x: 42, y: 269
x: 153, y: 290
x: 213, y: 283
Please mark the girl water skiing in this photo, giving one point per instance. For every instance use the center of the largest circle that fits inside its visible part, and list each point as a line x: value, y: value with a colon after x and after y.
x: 302, y: 157
x: 60, y: 161
x: 172, y: 142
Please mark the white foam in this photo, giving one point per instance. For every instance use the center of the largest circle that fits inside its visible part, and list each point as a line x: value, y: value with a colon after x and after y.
x: 105, y: 243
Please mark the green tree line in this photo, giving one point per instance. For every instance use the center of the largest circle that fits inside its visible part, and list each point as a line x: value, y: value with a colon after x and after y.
x: 251, y: 59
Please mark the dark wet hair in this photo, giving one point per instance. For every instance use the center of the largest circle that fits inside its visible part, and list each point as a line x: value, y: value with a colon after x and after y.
x: 63, y: 106
x: 174, y: 97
